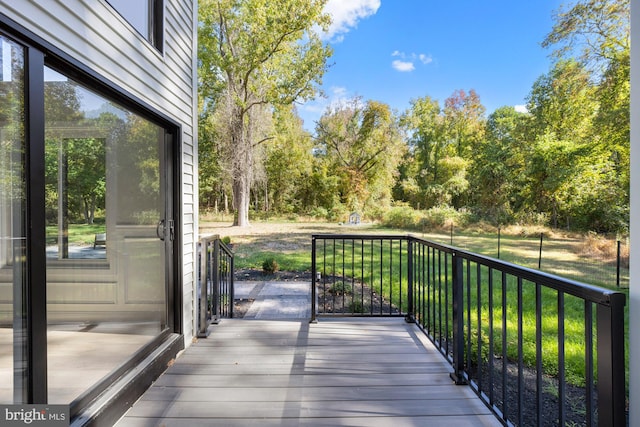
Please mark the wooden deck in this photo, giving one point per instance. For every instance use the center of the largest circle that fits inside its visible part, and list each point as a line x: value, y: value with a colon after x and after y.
x: 338, y: 372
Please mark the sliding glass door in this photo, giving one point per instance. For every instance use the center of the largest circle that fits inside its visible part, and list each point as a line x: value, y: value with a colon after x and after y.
x: 107, y: 228
x: 87, y: 289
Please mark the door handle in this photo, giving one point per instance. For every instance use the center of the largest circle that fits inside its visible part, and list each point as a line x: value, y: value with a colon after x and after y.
x: 160, y: 230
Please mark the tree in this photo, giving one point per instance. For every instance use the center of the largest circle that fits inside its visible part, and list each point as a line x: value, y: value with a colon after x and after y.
x: 498, y: 167
x: 288, y: 162
x: 363, y: 144
x: 597, y: 34
x: 464, y: 118
x: 257, y: 52
x: 593, y: 31
x: 441, y: 143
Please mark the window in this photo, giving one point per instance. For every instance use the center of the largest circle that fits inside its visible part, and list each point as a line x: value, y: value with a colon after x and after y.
x: 146, y: 16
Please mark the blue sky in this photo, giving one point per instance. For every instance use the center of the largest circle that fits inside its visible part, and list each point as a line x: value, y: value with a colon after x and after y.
x: 393, y: 51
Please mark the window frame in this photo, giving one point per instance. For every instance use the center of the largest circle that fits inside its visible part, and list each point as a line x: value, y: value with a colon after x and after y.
x: 155, y: 22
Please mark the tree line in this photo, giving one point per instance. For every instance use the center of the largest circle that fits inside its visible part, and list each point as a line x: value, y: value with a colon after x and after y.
x: 563, y: 160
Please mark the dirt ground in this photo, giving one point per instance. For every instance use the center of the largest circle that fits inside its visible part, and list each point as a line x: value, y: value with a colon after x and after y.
x: 283, y: 236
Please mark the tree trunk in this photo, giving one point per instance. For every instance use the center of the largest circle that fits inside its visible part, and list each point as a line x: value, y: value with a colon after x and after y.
x: 242, y: 169
x: 241, y: 194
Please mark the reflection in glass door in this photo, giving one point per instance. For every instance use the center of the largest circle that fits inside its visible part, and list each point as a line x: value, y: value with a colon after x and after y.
x: 13, y: 370
x: 107, y: 235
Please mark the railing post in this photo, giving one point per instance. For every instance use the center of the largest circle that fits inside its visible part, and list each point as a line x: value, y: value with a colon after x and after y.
x: 611, y: 369
x: 458, y: 321
x: 410, y: 317
x: 202, y: 318
x: 313, y: 280
x: 215, y: 282
x: 231, y: 287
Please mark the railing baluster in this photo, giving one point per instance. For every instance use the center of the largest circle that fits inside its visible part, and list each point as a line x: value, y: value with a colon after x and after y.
x: 353, y: 276
x: 381, y: 275
x: 391, y: 275
x: 520, y: 356
x: 561, y: 373
x: 313, y: 280
x: 504, y: 345
x: 479, y: 314
x: 446, y: 304
x: 440, y: 298
x: 215, y: 282
x: 539, y: 400
x: 410, y: 318
x: 588, y: 340
x: 491, y: 340
x: 468, y: 300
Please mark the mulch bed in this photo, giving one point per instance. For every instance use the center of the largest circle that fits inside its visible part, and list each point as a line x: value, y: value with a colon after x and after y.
x: 283, y: 276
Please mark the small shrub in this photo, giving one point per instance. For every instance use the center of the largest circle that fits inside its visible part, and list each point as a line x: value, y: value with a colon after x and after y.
x: 356, y: 306
x: 226, y: 240
x: 270, y: 266
x: 444, y: 216
x: 319, y: 213
x: 340, y: 288
x: 404, y: 217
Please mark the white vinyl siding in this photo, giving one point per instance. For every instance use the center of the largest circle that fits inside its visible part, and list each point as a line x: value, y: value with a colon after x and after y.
x: 95, y: 34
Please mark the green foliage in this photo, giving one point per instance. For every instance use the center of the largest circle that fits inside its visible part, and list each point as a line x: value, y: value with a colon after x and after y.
x: 444, y: 216
x: 564, y: 162
x: 226, y: 240
x: 361, y: 143
x: 403, y: 217
x: 407, y: 218
x: 356, y: 306
x: 270, y: 266
x: 254, y: 54
x: 341, y: 288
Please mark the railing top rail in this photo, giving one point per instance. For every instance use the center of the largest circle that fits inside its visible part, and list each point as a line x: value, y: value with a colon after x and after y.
x: 226, y: 248
x: 209, y: 237
x: 360, y: 236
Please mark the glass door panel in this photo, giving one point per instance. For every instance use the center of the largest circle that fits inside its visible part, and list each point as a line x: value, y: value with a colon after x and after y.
x: 13, y: 370
x: 106, y: 235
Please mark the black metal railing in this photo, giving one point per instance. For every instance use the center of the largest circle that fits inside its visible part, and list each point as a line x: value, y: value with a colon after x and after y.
x: 215, y: 282
x: 538, y: 349
x: 360, y: 275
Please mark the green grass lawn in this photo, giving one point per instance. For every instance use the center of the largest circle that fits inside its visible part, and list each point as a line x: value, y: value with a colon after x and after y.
x: 79, y: 234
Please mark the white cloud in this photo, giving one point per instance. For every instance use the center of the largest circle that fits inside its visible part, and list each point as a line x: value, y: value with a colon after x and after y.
x: 425, y: 59
x: 337, y: 95
x: 346, y: 14
x: 521, y: 108
x: 407, y: 61
x: 403, y: 66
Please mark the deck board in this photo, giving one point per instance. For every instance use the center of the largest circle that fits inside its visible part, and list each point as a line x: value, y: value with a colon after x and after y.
x: 338, y: 372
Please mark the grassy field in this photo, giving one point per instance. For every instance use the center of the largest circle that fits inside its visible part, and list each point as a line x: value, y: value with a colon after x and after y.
x: 290, y: 243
